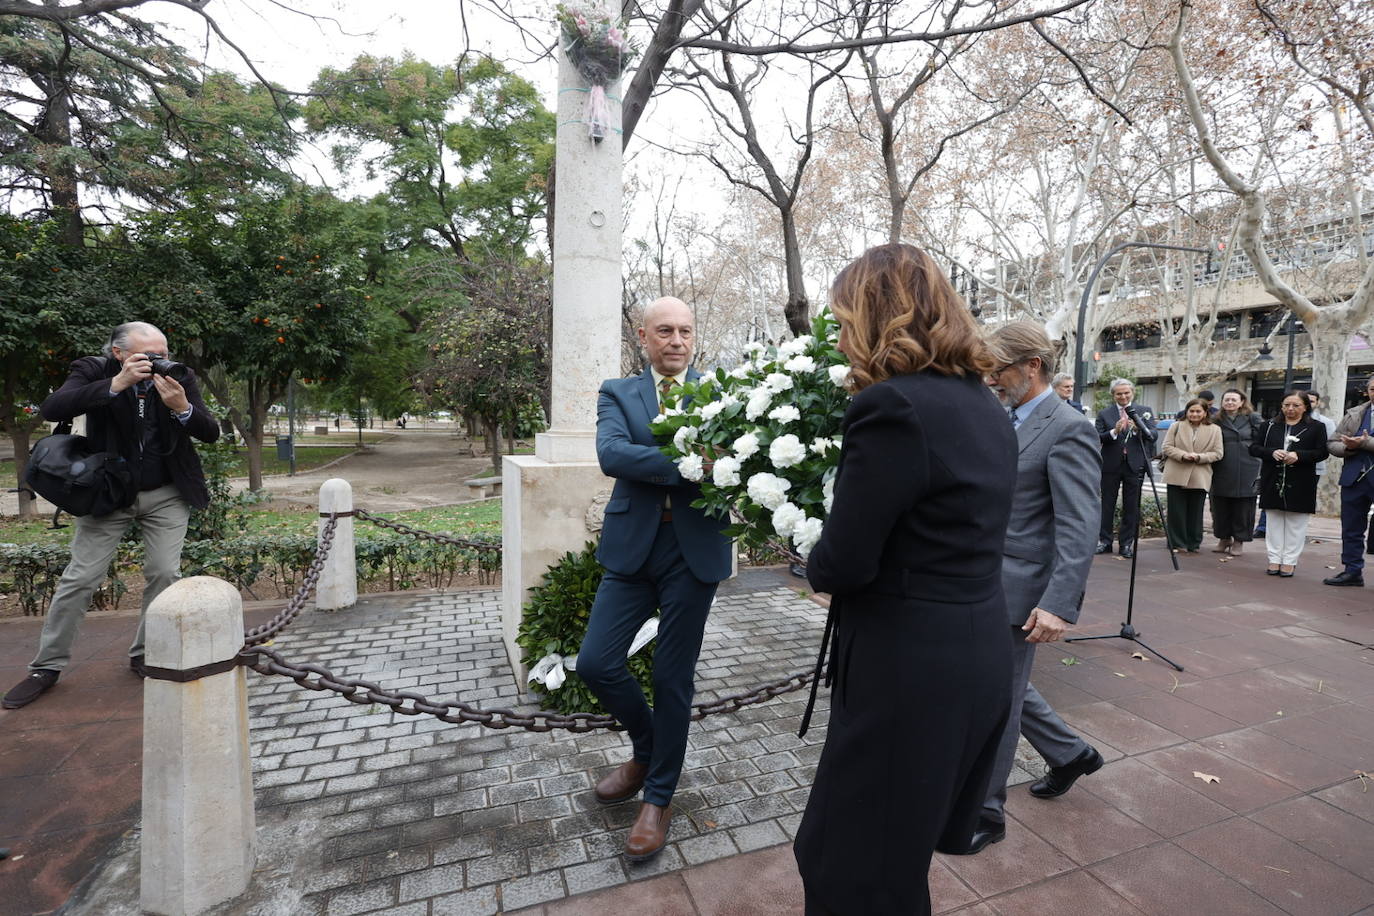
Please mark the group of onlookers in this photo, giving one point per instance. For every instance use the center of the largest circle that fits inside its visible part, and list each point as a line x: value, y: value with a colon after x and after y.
x: 1234, y: 455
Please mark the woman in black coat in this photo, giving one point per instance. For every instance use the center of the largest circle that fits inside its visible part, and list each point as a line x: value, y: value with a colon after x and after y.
x: 1233, y: 477
x: 1289, y: 448
x: 911, y: 555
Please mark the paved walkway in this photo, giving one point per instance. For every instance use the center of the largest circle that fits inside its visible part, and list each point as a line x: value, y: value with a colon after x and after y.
x: 364, y: 812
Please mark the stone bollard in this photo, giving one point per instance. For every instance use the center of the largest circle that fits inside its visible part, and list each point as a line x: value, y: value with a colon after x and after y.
x: 338, y: 585
x: 198, y: 824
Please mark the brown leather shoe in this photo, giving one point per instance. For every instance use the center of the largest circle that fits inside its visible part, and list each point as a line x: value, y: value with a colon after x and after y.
x: 649, y: 833
x: 624, y: 782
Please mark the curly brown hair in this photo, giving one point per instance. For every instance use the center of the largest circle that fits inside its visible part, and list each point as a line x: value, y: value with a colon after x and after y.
x: 900, y: 315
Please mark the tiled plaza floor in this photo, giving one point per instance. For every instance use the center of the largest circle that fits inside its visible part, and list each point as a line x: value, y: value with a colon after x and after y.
x: 361, y: 811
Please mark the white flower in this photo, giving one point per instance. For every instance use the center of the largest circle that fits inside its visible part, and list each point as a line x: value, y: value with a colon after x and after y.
x: 768, y: 490
x: 711, y: 409
x: 753, y: 347
x: 683, y: 436
x: 786, y: 518
x: 801, y: 363
x: 777, y: 382
x: 745, y: 446
x: 793, y: 347
x: 674, y: 412
x: 660, y: 418
x: 725, y: 473
x: 727, y: 399
x: 759, y: 399
x: 689, y: 466
x: 821, y: 445
x: 741, y: 371
x: 806, y: 534
x: 786, y: 450
x: 785, y: 413
x: 828, y: 494
x: 839, y: 375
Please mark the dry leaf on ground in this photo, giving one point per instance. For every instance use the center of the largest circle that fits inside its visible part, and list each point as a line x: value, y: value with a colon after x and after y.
x: 1206, y: 777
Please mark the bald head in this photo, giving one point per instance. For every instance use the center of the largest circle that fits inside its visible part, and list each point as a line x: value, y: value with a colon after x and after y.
x: 666, y: 333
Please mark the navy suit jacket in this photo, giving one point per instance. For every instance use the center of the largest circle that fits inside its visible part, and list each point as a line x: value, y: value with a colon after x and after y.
x: 644, y: 477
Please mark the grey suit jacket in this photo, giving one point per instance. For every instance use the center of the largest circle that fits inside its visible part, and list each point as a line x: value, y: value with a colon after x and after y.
x: 1055, y: 512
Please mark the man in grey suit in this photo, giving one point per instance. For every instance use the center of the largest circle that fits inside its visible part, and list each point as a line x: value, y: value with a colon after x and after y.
x: 1046, y: 559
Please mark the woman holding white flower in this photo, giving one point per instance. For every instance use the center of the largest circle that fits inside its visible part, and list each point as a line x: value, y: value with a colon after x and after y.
x: 911, y: 554
x: 1289, y: 448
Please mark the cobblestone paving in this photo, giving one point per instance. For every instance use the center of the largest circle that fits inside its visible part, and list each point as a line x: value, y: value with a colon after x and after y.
x: 423, y: 818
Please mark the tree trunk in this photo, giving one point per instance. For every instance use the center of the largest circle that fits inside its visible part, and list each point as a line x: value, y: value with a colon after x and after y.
x: 1330, y: 366
x: 19, y: 438
x: 798, y: 307
x: 252, y: 441
x: 55, y: 128
x: 493, y: 434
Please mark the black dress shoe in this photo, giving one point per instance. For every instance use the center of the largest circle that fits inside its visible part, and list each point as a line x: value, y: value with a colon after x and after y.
x: 1128, y: 550
x: 30, y: 688
x: 1059, y: 780
x: 136, y: 665
x: 988, y: 832
x: 1103, y: 547
x: 1346, y: 578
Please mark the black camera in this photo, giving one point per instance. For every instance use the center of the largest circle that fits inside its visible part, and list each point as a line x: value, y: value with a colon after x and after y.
x: 163, y: 366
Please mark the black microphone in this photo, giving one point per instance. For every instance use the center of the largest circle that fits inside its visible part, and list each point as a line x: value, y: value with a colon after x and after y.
x: 1135, y: 418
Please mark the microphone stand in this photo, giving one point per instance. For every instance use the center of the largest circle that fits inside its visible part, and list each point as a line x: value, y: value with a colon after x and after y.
x: 1128, y: 630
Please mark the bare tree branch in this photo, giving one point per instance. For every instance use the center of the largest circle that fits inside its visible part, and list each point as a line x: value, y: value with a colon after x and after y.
x: 797, y: 48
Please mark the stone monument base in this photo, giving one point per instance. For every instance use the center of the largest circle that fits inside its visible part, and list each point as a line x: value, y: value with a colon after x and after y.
x: 548, y: 509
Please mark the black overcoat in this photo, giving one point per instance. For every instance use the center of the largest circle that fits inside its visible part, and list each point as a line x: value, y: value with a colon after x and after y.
x: 1234, y: 475
x: 87, y: 390
x: 912, y: 555
x: 1293, y: 487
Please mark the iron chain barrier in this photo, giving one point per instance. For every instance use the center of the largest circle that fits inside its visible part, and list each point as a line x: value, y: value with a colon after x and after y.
x: 265, y: 660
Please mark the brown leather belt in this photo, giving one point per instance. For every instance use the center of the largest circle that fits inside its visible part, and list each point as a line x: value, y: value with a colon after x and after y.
x: 667, y: 516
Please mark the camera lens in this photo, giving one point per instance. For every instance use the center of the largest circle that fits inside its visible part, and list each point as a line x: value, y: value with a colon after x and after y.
x: 163, y: 366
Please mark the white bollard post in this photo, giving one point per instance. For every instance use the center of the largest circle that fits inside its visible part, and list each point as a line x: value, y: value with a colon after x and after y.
x: 338, y: 585
x: 198, y: 823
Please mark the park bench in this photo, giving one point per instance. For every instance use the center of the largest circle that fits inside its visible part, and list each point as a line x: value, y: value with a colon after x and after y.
x: 487, y: 486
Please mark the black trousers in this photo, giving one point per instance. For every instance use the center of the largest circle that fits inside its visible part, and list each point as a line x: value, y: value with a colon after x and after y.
x: 1183, y: 523
x: 1233, y: 517
x: 1127, y: 481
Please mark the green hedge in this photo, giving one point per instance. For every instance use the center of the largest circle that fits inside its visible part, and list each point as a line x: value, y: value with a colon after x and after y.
x: 32, y: 570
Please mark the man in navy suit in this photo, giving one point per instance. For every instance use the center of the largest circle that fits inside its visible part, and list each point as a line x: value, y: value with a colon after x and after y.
x: 1126, y: 449
x: 660, y: 554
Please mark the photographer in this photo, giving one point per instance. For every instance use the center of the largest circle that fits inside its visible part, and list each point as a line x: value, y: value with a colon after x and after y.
x: 131, y: 396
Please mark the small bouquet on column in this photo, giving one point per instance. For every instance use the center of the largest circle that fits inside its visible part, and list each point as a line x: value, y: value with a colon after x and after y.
x: 600, y: 51
x: 763, y: 439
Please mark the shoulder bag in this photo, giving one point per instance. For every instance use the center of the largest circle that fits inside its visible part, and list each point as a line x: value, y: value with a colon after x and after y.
x: 73, y: 474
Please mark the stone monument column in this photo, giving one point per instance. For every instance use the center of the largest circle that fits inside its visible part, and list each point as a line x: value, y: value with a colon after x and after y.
x: 546, y: 497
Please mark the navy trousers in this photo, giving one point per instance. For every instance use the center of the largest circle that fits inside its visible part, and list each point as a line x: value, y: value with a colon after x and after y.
x: 1355, y: 502
x: 664, y: 584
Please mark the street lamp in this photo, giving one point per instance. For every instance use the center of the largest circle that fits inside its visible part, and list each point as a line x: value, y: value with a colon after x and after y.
x: 1292, y: 338
x: 1078, y: 379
